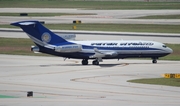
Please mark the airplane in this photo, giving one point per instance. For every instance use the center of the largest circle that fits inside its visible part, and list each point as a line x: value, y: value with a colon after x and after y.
x: 48, y: 42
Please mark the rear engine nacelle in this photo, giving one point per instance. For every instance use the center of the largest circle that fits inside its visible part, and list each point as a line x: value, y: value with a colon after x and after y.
x: 68, y: 36
x: 34, y: 48
x: 68, y: 48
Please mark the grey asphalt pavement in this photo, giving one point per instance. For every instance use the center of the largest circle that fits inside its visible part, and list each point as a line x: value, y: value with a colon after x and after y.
x: 68, y: 83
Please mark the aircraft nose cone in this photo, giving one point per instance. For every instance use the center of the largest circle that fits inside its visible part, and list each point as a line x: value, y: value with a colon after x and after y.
x: 170, y: 50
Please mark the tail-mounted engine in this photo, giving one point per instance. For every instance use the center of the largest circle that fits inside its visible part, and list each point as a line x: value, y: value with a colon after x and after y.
x: 68, y: 48
x: 35, y: 49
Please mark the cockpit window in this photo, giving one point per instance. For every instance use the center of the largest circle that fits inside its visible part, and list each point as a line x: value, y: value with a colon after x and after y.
x: 164, y: 46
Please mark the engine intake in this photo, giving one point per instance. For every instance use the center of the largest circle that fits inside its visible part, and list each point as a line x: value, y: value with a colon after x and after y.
x: 34, y: 48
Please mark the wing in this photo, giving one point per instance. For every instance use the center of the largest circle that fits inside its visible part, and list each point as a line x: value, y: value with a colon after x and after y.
x: 100, y: 54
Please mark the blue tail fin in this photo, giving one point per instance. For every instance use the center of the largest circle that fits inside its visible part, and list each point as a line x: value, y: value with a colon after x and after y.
x: 38, y: 33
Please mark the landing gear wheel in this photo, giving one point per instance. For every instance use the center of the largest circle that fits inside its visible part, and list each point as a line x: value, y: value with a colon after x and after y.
x: 95, y: 62
x: 154, y: 61
x: 84, y: 62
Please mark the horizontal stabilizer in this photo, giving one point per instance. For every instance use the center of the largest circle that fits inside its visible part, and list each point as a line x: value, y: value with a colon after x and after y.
x: 27, y: 23
x: 24, y: 23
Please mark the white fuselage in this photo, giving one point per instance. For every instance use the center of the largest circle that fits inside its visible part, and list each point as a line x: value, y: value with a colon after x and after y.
x: 126, y: 46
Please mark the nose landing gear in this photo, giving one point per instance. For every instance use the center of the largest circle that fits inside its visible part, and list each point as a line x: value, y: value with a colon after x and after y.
x: 154, y: 60
x: 84, y: 62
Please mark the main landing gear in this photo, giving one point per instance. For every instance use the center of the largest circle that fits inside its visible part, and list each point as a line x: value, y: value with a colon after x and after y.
x: 95, y: 62
x: 85, y: 62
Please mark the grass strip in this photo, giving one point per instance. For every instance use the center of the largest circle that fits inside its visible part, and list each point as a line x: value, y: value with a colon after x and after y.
x: 160, y: 17
x: 42, y: 14
x: 5, y: 96
x: 17, y: 46
x: 158, y: 81
x: 113, y: 27
x: 105, y: 5
x: 22, y: 46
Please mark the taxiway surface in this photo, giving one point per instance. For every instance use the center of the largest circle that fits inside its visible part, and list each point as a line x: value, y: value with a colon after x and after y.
x: 68, y: 83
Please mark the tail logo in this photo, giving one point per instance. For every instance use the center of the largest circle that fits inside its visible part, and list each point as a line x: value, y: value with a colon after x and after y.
x: 46, y: 37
